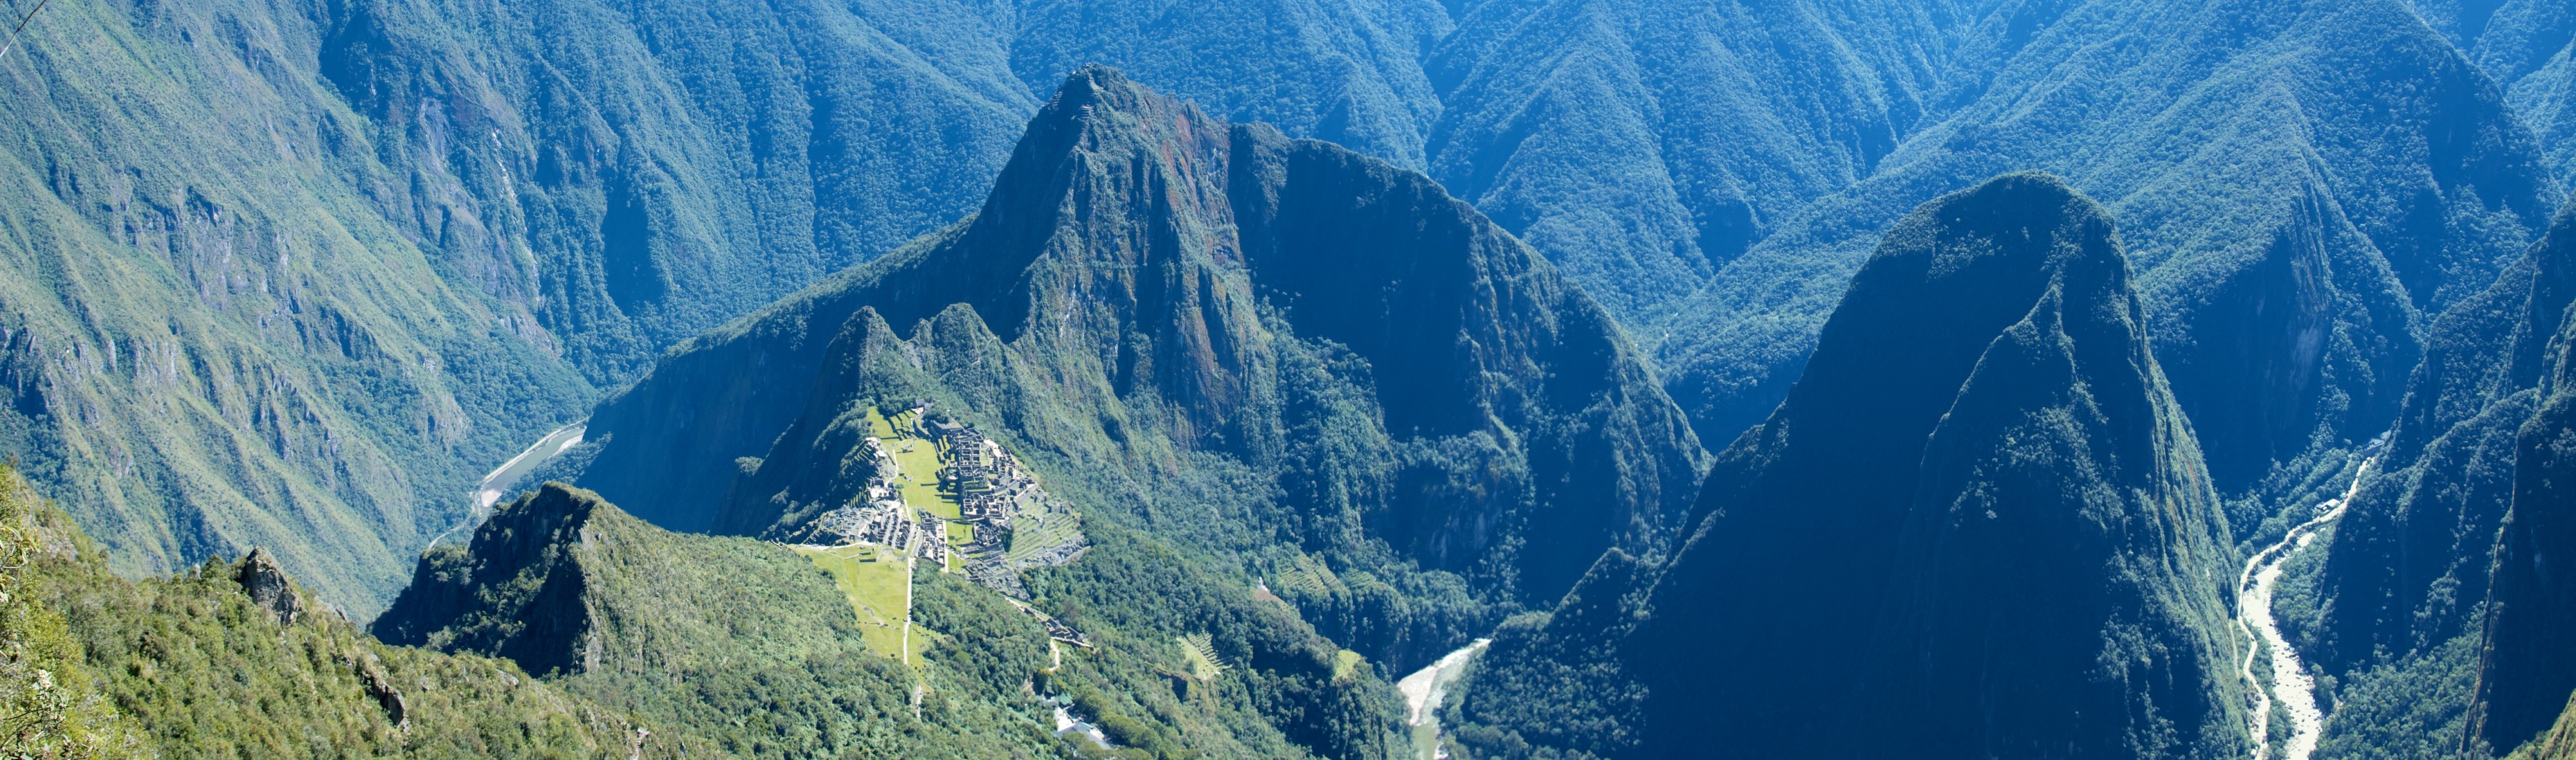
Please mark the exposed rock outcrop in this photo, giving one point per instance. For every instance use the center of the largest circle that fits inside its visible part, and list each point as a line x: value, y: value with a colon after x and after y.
x: 268, y: 586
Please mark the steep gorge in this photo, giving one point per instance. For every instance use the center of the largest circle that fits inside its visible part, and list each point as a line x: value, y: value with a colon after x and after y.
x: 1978, y: 525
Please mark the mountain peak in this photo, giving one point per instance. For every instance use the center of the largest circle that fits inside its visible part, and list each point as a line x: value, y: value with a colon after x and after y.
x: 1152, y: 296
x: 516, y: 591
x: 1981, y: 455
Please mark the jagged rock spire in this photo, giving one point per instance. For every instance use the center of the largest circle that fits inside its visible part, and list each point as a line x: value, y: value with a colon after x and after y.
x: 268, y: 587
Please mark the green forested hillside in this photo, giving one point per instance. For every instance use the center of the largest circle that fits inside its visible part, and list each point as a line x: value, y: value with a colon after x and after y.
x: 233, y: 660
x: 1428, y: 353
x: 2299, y: 184
x: 2399, y: 594
x: 745, y: 643
x: 1253, y: 347
x: 1643, y: 145
x: 749, y: 644
x: 2524, y: 669
x: 293, y: 276
x: 1977, y: 527
x: 2529, y: 47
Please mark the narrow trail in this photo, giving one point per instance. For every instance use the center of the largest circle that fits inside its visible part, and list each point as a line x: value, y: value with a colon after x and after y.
x: 909, y: 558
x: 2296, y: 690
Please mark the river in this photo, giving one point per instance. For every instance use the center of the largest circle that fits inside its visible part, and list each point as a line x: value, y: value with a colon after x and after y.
x: 498, y: 482
x: 2291, y: 684
x: 1423, y: 691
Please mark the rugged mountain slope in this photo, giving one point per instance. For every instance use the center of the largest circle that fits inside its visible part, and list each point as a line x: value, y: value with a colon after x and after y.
x: 211, y: 339
x: 1977, y: 526
x: 2397, y: 600
x: 235, y: 660
x: 1233, y: 338
x: 2299, y: 183
x: 747, y: 643
x: 2529, y: 47
x: 291, y: 276
x: 1641, y: 145
x: 2526, y: 676
x: 751, y: 645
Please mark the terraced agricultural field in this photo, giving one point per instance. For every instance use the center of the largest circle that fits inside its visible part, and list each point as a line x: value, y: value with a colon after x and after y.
x: 874, y: 580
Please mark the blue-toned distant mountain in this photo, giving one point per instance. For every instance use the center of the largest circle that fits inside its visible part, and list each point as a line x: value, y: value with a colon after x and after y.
x: 2529, y: 47
x: 1643, y: 145
x: 1977, y: 527
x: 2300, y: 185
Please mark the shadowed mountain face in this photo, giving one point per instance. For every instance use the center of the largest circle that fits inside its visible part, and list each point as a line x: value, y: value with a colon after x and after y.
x: 2529, y: 47
x: 2397, y: 602
x: 2526, y: 673
x: 2299, y: 184
x: 1642, y: 145
x: 1977, y: 526
x: 1193, y: 319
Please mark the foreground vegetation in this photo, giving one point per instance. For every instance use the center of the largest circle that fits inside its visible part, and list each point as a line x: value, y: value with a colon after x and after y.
x: 195, y: 667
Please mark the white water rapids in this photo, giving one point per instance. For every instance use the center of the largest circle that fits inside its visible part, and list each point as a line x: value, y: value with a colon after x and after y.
x: 2295, y: 689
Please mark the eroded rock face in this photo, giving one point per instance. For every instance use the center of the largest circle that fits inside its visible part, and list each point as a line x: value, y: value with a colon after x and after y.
x: 268, y: 586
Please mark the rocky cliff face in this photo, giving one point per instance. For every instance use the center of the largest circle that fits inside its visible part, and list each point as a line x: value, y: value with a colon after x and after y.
x: 1318, y: 342
x: 2527, y: 672
x: 1978, y: 524
x: 2397, y: 604
x: 2410, y: 558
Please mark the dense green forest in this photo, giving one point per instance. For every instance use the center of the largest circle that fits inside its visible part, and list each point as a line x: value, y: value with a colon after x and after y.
x: 2144, y: 378
x: 1218, y: 372
x: 233, y: 660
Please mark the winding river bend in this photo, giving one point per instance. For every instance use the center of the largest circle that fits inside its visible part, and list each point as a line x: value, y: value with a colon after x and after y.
x: 1423, y: 692
x: 2291, y: 684
x: 495, y: 484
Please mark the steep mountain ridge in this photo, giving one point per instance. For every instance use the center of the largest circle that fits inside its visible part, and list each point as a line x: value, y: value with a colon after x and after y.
x: 1236, y: 338
x: 2029, y: 415
x: 2398, y: 593
x: 2525, y: 678
x: 2299, y: 183
x: 292, y: 276
x: 1978, y: 525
